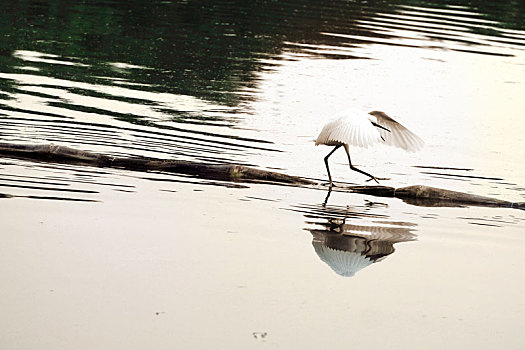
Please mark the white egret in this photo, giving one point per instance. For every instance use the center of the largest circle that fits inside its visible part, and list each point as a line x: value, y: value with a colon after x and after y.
x: 361, y: 129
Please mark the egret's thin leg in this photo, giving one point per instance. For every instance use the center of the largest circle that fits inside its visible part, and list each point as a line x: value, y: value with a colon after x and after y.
x: 326, y: 163
x: 358, y: 170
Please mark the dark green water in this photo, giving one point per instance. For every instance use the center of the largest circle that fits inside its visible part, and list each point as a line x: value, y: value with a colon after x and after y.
x: 213, y: 49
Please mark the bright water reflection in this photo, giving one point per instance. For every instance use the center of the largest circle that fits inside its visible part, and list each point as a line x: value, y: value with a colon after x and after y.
x: 349, y: 247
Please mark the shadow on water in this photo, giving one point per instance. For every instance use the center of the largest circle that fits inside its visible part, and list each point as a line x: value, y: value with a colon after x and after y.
x: 347, y: 245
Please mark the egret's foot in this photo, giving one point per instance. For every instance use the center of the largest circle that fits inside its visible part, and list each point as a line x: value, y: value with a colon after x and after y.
x: 376, y: 179
x: 372, y: 178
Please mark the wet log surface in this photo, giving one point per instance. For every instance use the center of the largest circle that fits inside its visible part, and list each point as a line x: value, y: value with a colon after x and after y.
x: 62, y: 154
x: 434, y: 197
x: 416, y: 195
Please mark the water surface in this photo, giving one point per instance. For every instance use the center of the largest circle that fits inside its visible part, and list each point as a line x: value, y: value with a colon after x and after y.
x: 104, y: 258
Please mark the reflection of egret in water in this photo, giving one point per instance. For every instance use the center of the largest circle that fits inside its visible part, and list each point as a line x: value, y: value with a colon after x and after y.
x: 348, y: 248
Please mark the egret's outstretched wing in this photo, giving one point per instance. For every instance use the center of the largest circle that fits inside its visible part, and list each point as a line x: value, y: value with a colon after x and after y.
x: 350, y: 128
x: 397, y: 135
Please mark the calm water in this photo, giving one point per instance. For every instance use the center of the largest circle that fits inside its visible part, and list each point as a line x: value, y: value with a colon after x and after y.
x: 110, y: 259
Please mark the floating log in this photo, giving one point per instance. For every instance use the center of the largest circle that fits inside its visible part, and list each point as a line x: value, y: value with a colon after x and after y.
x: 416, y: 195
x: 63, y: 154
x: 434, y: 197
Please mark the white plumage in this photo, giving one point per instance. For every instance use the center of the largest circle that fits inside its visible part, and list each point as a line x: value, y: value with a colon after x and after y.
x: 361, y: 129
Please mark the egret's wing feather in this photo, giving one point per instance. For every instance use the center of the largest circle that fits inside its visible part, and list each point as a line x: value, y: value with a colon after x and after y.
x: 355, y: 130
x: 397, y: 135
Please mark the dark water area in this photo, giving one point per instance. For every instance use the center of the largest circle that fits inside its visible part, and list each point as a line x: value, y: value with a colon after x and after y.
x: 214, y: 50
x: 106, y: 258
